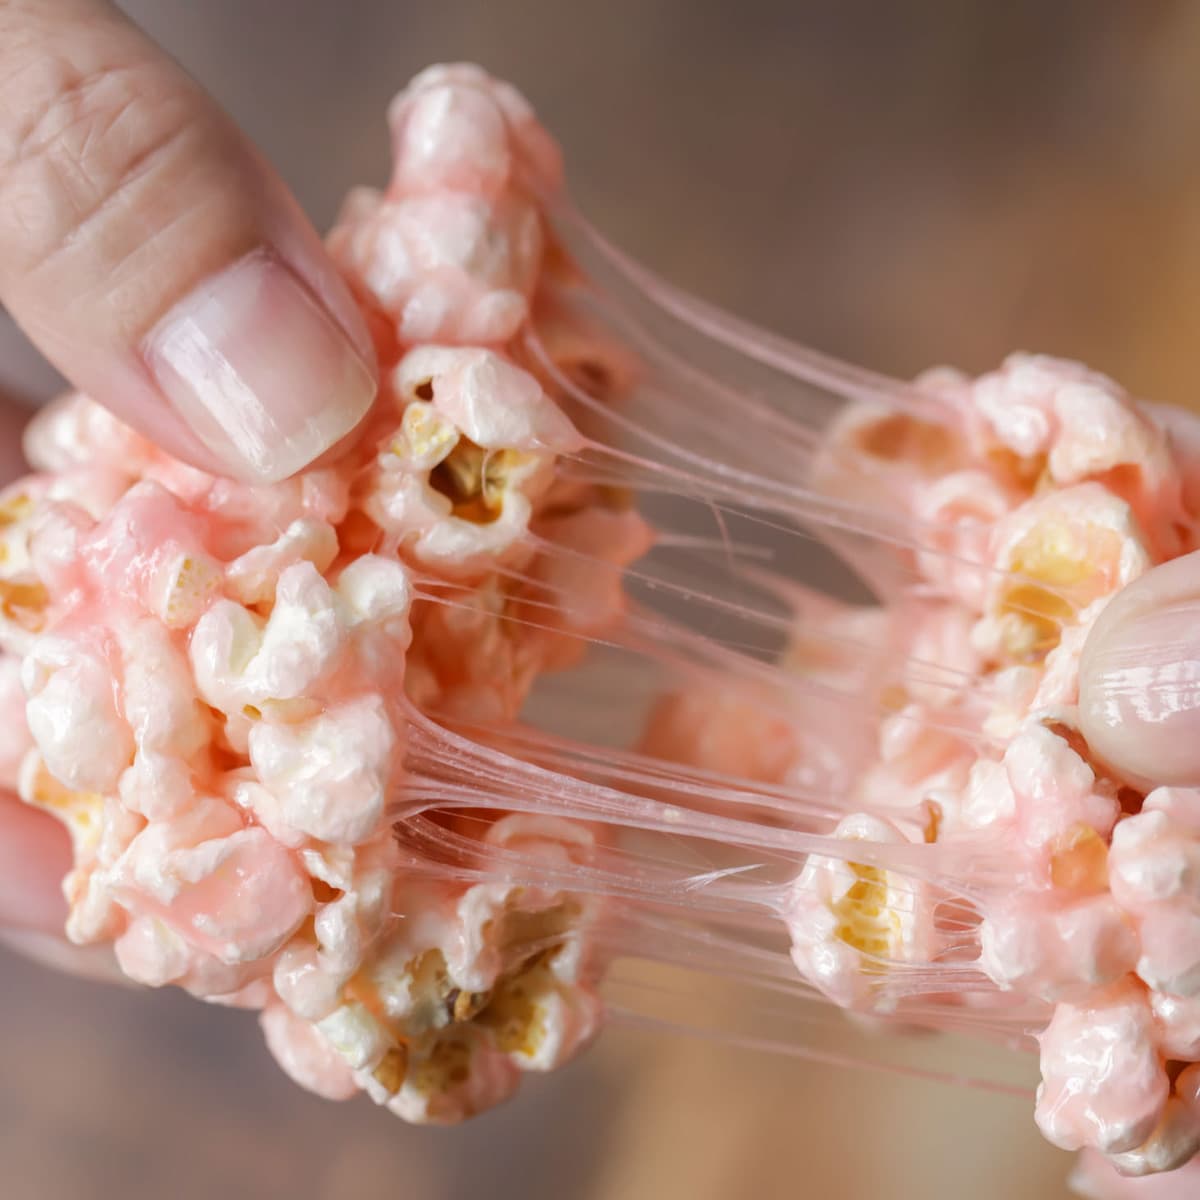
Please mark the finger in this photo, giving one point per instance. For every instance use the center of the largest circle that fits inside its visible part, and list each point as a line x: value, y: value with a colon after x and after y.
x: 35, y: 855
x: 156, y: 261
x: 1139, y: 678
x: 96, y: 962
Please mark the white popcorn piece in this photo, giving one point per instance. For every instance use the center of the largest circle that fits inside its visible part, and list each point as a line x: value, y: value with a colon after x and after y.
x: 74, y: 431
x: 486, y: 398
x: 1017, y: 401
x: 153, y: 953
x: 253, y: 577
x: 538, y: 1022
x: 374, y: 590
x: 475, y: 446
x: 448, y: 267
x: 530, y: 143
x: 330, y: 773
x: 1155, y: 875
x: 182, y: 586
x: 1056, y: 947
x: 158, y: 696
x: 356, y: 1035
x: 242, y: 663
x: 305, y: 983
x: 1052, y: 558
x: 73, y: 716
x: 850, y: 923
x: 1055, y: 791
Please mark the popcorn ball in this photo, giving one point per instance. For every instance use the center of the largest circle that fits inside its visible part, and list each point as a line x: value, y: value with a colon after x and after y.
x: 213, y: 685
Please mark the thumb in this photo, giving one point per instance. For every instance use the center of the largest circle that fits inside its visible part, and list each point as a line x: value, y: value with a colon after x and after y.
x: 157, y: 261
x: 1139, y: 678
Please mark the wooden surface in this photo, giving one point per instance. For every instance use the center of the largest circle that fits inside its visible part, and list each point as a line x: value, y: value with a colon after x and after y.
x: 901, y: 184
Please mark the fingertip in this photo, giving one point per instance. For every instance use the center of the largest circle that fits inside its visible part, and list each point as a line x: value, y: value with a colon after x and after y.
x: 1139, y: 679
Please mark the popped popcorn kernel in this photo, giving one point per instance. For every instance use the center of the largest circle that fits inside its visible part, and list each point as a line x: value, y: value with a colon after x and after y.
x: 1062, y: 552
x: 851, y: 922
x: 183, y: 589
x: 1103, y: 1083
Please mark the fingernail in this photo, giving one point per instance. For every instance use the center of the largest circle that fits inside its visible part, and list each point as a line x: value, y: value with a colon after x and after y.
x: 1139, y: 692
x: 258, y: 369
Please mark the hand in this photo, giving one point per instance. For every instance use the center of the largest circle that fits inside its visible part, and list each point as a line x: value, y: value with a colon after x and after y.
x: 164, y: 269
x: 1139, y: 682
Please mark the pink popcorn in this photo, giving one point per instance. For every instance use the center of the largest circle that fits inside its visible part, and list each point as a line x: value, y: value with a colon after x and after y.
x: 230, y: 891
x: 1054, y: 947
x: 73, y: 716
x: 961, y: 509
x: 253, y: 577
x: 451, y: 1003
x: 1055, y: 791
x: 1081, y: 426
x: 851, y: 922
x: 457, y: 485
x: 494, y: 403
x: 1052, y: 558
x: 1103, y: 1082
x: 444, y: 94
x: 220, y: 679
x: 244, y: 662
x: 452, y: 251
x: 1021, y: 406
x: 450, y: 267
x: 1155, y: 876
x: 77, y: 433
x: 307, y: 1058
x: 1042, y: 791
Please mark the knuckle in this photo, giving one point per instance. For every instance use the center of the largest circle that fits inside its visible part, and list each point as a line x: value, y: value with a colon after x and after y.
x: 81, y: 147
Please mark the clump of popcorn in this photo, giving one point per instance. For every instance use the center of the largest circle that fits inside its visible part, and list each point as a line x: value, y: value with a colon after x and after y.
x: 212, y: 684
x: 1008, y: 869
x: 1055, y: 491
x: 451, y: 251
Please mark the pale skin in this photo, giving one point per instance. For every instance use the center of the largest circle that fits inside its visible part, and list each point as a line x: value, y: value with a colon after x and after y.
x: 127, y: 198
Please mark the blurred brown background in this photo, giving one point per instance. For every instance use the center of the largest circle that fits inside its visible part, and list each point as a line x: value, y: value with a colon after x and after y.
x: 897, y: 183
